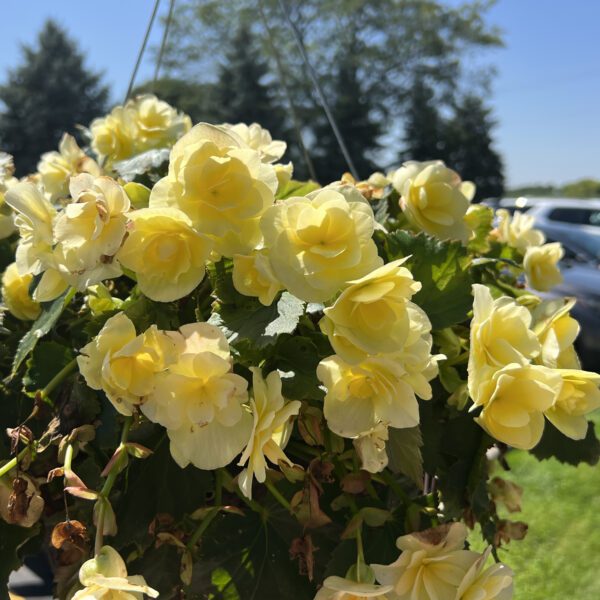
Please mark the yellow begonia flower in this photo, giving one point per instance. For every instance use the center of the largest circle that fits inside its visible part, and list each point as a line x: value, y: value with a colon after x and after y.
x: 579, y: 396
x: 254, y: 276
x: 56, y: 168
x: 15, y: 294
x: 500, y: 334
x: 541, y: 266
x: 200, y: 401
x: 514, y: 400
x: 158, y: 124
x: 434, y: 199
x: 124, y: 364
x: 221, y: 185
x: 319, y: 244
x: 113, y: 136
x: 7, y: 168
x: 432, y: 564
x: 517, y: 231
x: 284, y: 174
x: 371, y: 316
x: 557, y: 333
x: 104, y: 577
x: 34, y: 220
x: 493, y: 583
x: 361, y: 396
x: 370, y: 447
x: 271, y: 429
x: 90, y: 230
x: 164, y: 251
x: 340, y: 588
x: 258, y: 138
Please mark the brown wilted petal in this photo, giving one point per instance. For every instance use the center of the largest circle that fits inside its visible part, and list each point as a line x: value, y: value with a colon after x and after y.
x: 302, y: 550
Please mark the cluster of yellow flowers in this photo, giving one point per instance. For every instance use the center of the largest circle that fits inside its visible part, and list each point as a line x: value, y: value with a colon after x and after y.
x: 184, y: 381
x: 141, y: 124
x: 522, y: 367
x: 432, y: 565
x: 540, y: 260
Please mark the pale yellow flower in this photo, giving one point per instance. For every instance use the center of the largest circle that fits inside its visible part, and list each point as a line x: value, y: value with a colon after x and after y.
x: 104, y: 577
x: 221, y: 185
x: 200, y: 401
x: 90, y: 230
x: 113, y: 136
x: 541, y: 266
x: 481, y: 583
x: 340, y: 588
x: 284, y: 174
x: 370, y: 447
x: 159, y: 125
x: 124, y: 364
x: 500, y: 334
x: 56, y: 168
x: 254, y: 276
x: 319, y: 244
x: 258, y: 138
x: 434, y: 199
x: 7, y: 168
x: 164, y: 251
x: 271, y: 429
x: 579, y: 396
x: 557, y: 331
x: 359, y: 397
x: 432, y: 564
x: 518, y: 231
x: 15, y: 294
x: 371, y: 316
x: 514, y: 400
x: 34, y: 221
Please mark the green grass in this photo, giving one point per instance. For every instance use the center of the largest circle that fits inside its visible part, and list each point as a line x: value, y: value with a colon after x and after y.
x: 559, y: 559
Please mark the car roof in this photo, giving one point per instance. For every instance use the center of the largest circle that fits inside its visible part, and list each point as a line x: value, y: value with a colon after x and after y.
x: 532, y: 203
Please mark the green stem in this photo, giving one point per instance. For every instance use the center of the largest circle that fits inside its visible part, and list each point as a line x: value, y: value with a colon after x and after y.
x: 360, y: 553
x: 202, y: 528
x: 277, y: 495
x: 108, y: 484
x: 58, y: 379
x: 461, y: 358
x: 228, y: 482
x: 11, y: 464
x: 68, y: 458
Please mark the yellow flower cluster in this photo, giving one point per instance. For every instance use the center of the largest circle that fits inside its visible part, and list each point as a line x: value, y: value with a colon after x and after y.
x: 383, y: 360
x: 434, y: 199
x: 540, y: 260
x: 521, y: 371
x: 184, y: 381
x: 142, y: 124
x: 433, y: 565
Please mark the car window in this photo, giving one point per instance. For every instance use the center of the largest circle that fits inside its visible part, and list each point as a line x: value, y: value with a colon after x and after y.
x: 579, y: 216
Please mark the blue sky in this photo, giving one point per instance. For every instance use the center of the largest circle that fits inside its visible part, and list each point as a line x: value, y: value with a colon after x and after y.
x: 546, y: 96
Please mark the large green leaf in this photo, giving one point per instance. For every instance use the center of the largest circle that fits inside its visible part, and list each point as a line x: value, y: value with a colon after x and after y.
x: 404, y: 453
x: 443, y: 270
x: 47, y: 359
x: 12, y: 537
x: 51, y: 312
x: 297, y: 188
x: 556, y: 445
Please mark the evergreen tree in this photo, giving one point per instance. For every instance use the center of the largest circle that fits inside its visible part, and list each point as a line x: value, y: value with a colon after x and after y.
x: 49, y: 94
x: 241, y: 93
x: 469, y: 147
x: 424, y: 126
x: 353, y: 112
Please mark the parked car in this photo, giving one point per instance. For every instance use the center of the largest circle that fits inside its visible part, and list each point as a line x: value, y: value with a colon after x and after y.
x: 581, y: 280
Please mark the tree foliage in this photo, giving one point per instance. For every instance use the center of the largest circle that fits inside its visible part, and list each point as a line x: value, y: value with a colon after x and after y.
x: 50, y: 93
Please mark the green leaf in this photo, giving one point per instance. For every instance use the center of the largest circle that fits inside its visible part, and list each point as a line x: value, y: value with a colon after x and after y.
x: 138, y: 194
x: 12, y: 537
x: 442, y: 269
x: 47, y: 359
x: 404, y: 453
x: 297, y: 188
x: 51, y: 312
x: 249, y: 319
x: 556, y: 445
x: 481, y: 218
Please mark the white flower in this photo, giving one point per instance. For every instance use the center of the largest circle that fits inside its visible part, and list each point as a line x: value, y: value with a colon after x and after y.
x: 340, y: 588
